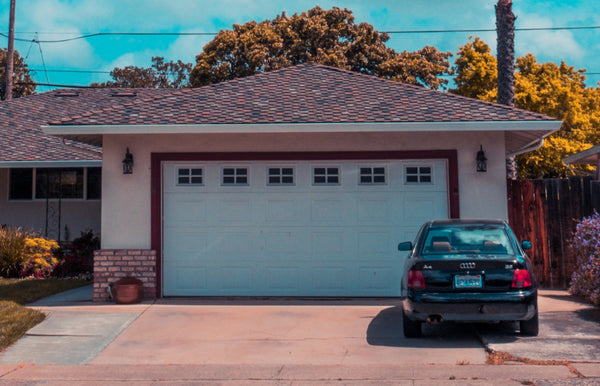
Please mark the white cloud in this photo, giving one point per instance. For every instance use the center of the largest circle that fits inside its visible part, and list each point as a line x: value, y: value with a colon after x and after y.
x: 186, y: 47
x: 546, y: 45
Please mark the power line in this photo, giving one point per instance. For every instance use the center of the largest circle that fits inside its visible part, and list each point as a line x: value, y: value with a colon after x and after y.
x: 99, y: 34
x: 72, y: 71
x: 118, y: 34
x: 490, y: 30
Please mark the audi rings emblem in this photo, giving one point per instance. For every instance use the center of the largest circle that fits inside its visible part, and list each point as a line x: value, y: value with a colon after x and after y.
x: 469, y: 265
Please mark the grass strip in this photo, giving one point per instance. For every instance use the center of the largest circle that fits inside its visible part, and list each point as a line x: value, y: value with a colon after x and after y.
x: 15, y: 321
x: 23, y: 291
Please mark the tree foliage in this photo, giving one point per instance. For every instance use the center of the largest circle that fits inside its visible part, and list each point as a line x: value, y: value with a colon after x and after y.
x: 160, y: 75
x: 555, y: 90
x: 476, y: 71
x: 23, y: 84
x: 329, y: 37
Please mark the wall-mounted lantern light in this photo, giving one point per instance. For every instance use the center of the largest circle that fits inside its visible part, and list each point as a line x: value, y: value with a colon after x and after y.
x: 481, y: 160
x: 128, y: 163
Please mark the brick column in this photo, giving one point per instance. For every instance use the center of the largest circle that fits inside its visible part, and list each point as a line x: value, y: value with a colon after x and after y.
x: 111, y: 265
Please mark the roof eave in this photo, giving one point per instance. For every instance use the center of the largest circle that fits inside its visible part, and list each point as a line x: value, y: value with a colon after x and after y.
x: 51, y: 164
x: 589, y: 156
x: 92, y: 134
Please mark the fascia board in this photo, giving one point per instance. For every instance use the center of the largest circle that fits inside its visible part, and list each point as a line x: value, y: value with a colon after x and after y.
x: 67, y: 130
x: 51, y: 164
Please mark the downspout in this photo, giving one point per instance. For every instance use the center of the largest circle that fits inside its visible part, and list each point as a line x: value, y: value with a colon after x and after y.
x: 527, y: 149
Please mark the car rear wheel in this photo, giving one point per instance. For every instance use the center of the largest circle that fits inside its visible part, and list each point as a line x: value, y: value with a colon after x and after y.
x: 530, y: 327
x: 411, y: 328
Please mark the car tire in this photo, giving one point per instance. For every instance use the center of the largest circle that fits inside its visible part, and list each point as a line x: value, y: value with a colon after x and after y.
x: 530, y: 327
x: 411, y: 328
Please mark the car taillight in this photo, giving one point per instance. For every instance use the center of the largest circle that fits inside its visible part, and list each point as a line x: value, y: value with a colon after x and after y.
x: 416, y: 279
x: 521, y: 278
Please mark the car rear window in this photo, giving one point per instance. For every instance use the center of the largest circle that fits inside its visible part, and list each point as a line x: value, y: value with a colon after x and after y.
x: 460, y: 240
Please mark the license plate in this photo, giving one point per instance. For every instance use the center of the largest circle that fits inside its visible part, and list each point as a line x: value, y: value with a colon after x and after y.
x: 468, y: 281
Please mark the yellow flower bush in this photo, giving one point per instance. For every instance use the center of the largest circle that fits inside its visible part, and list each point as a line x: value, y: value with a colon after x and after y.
x: 39, y: 257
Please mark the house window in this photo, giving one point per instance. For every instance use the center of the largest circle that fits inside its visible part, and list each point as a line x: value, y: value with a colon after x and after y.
x: 59, y: 183
x: 189, y: 176
x: 235, y: 176
x: 418, y: 174
x: 280, y: 176
x: 21, y: 184
x: 372, y: 175
x: 94, y: 183
x: 326, y: 176
x: 64, y: 183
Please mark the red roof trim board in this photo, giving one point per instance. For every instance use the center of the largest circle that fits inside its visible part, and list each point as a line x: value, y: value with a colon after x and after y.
x: 156, y: 182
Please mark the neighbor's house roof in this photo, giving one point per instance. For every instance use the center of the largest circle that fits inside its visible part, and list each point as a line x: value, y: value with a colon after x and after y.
x: 24, y: 144
x: 307, y: 98
x: 589, y: 156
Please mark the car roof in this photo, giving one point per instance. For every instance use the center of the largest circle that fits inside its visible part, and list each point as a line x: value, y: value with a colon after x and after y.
x: 467, y: 222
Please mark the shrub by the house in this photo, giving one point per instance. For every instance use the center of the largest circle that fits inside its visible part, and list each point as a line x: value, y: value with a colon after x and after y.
x: 78, y: 256
x: 12, y: 248
x: 39, y: 257
x: 586, y: 247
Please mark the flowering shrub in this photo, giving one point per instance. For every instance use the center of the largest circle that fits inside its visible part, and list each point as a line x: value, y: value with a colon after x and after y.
x: 586, y: 247
x: 12, y: 246
x: 78, y: 256
x: 39, y: 259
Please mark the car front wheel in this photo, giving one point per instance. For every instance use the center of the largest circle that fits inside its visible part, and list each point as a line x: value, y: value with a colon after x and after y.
x: 411, y: 328
x: 530, y: 327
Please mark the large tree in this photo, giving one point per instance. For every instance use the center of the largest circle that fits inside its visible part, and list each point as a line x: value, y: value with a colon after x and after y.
x: 555, y: 90
x: 160, y: 75
x: 23, y: 84
x: 329, y: 37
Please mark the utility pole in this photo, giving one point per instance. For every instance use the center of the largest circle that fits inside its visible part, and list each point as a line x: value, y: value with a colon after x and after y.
x: 10, y: 52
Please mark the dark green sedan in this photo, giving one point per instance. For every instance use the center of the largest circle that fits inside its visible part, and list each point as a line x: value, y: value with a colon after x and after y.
x: 468, y: 271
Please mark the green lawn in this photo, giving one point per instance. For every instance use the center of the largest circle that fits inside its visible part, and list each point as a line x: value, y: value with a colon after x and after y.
x: 15, y: 319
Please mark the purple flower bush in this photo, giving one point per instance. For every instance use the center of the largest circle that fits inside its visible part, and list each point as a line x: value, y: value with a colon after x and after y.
x: 78, y: 256
x: 586, y: 247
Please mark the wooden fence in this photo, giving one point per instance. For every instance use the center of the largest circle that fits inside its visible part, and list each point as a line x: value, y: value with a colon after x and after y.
x: 546, y: 212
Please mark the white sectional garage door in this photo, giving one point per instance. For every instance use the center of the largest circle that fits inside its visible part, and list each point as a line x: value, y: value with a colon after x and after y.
x: 304, y: 228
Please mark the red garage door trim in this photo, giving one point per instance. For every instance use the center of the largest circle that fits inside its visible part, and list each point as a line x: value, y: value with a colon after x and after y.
x: 158, y: 158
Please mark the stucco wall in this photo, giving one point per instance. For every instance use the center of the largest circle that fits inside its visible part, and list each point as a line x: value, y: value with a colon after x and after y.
x: 78, y: 215
x: 126, y: 198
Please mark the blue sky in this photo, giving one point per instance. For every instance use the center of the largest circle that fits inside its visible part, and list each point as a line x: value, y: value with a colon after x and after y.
x: 60, y: 19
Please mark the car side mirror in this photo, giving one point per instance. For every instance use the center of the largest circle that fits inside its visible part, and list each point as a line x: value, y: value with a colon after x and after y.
x: 405, y: 246
x: 526, y: 245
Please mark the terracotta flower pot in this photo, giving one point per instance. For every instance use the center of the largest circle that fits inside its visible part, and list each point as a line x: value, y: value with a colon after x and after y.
x: 128, y: 290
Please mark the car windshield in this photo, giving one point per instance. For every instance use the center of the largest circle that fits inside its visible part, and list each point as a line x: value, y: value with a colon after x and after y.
x: 457, y: 240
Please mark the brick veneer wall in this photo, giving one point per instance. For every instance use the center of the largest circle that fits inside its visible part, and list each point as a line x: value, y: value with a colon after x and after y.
x: 111, y: 265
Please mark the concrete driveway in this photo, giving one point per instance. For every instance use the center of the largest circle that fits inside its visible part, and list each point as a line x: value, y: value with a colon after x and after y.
x: 256, y: 340
x: 194, y: 331
x: 569, y: 330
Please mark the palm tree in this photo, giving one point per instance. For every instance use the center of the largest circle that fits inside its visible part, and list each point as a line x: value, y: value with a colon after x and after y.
x: 505, y: 28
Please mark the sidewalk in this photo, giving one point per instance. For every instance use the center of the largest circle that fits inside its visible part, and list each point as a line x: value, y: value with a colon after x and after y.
x: 295, y: 374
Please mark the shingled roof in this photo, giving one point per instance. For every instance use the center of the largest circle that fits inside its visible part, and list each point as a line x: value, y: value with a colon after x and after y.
x: 306, y: 93
x: 21, y: 120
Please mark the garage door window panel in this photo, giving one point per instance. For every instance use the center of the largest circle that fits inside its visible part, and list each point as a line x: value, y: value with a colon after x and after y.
x: 372, y: 175
x: 327, y: 175
x: 235, y: 176
x: 190, y: 176
x: 419, y: 174
x: 280, y: 176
